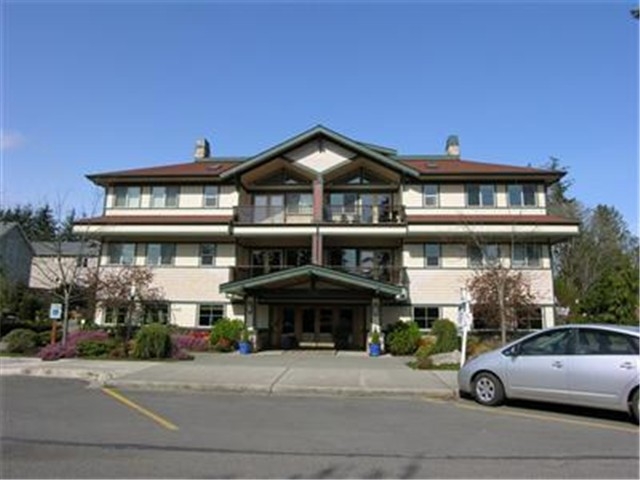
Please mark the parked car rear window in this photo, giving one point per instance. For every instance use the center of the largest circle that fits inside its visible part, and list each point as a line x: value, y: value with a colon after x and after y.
x: 602, y: 342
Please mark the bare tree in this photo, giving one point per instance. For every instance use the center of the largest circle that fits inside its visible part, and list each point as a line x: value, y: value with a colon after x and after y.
x: 66, y: 269
x: 501, y: 293
x: 129, y: 288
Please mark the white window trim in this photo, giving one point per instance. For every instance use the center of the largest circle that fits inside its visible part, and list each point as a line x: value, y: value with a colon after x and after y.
x: 215, y: 197
x: 437, y: 195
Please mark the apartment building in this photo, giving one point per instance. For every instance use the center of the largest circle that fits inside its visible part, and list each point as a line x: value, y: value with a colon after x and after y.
x: 322, y: 238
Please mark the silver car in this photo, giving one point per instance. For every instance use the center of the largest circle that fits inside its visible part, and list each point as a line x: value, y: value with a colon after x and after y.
x: 583, y: 364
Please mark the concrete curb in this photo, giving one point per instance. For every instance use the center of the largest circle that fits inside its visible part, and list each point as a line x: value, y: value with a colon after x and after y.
x: 72, y: 373
x: 441, y: 393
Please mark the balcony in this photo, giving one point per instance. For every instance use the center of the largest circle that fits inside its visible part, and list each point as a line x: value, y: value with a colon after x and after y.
x: 332, y: 214
x: 393, y: 275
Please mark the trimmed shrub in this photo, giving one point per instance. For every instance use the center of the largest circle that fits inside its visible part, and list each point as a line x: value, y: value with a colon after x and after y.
x: 402, y: 338
x: 22, y: 340
x: 95, y: 348
x: 7, y: 325
x: 225, y: 334
x: 153, y: 341
x: 447, y: 336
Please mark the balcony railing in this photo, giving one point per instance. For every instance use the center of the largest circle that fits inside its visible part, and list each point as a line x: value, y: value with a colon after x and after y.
x: 333, y: 214
x: 273, y: 215
x: 394, y: 275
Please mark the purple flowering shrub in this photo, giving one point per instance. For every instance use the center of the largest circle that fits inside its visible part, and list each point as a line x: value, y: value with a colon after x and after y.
x: 191, y: 342
x: 180, y: 345
x: 70, y: 350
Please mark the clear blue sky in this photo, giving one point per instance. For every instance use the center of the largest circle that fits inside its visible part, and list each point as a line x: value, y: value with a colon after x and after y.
x: 90, y: 87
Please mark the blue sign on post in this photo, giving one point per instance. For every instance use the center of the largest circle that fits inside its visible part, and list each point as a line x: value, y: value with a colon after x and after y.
x: 55, y: 311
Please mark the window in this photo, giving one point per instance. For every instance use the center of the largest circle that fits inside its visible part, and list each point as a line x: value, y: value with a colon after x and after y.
x: 163, y: 197
x: 160, y: 253
x: 430, y: 195
x: 211, y: 196
x: 522, y: 195
x: 82, y: 262
x: 208, y: 315
x: 601, y: 342
x: 207, y: 254
x: 425, y: 316
x: 530, y: 319
x: 557, y: 342
x: 432, y: 254
x: 156, y: 313
x: 299, y: 203
x: 485, y: 255
x: 526, y: 255
x: 115, y: 315
x: 121, y: 253
x: 127, y: 197
x: 480, y: 195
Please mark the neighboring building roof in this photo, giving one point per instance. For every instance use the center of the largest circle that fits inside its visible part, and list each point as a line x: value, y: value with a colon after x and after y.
x: 6, y: 227
x: 155, y: 220
x: 66, y: 249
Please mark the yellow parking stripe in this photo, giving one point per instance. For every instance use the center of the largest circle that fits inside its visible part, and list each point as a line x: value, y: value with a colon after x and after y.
x: 545, y: 417
x: 157, y: 418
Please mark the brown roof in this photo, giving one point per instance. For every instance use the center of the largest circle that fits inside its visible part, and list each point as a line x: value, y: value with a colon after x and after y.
x: 155, y: 220
x: 211, y: 169
x: 454, y: 166
x: 493, y: 219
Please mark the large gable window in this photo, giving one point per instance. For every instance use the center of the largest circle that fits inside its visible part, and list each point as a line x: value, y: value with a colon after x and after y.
x: 126, y: 197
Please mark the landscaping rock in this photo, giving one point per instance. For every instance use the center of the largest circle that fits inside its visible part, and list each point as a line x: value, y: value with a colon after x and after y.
x: 443, y: 358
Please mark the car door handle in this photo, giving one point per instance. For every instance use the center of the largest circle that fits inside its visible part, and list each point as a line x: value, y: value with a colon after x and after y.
x: 627, y: 365
x: 557, y: 364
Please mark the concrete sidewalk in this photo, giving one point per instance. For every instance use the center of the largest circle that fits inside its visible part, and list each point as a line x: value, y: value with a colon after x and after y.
x: 270, y: 372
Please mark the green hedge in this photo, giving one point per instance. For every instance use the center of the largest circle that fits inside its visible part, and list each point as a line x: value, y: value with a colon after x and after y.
x: 152, y: 341
x: 23, y: 341
x: 447, y: 336
x: 402, y: 338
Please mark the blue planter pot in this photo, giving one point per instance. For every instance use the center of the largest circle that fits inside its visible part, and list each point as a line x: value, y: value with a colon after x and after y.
x: 374, y: 350
x: 244, y: 348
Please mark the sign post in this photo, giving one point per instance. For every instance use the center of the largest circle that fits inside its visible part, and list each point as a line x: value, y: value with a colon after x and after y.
x: 55, y: 314
x: 465, y: 321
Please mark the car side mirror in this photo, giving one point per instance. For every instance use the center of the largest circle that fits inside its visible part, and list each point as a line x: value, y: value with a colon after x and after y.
x: 514, y: 351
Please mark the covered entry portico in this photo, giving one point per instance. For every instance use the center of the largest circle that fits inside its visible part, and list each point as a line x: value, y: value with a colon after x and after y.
x: 312, y: 307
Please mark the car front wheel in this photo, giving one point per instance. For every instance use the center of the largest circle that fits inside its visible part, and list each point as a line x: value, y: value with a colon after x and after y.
x: 487, y: 389
x: 634, y: 406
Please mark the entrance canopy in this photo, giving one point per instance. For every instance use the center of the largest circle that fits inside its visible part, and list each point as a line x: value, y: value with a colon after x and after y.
x: 311, y: 277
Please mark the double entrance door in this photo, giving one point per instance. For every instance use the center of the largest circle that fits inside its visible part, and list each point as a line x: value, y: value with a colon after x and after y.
x: 339, y: 327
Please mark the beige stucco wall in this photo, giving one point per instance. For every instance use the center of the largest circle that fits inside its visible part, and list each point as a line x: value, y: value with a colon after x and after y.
x: 190, y: 202
x: 452, y: 200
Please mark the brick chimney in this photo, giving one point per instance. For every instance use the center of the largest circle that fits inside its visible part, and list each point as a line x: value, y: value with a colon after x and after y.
x: 202, y: 151
x: 453, y: 146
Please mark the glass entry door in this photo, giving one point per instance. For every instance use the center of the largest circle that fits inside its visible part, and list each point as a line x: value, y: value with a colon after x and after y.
x: 317, y: 327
